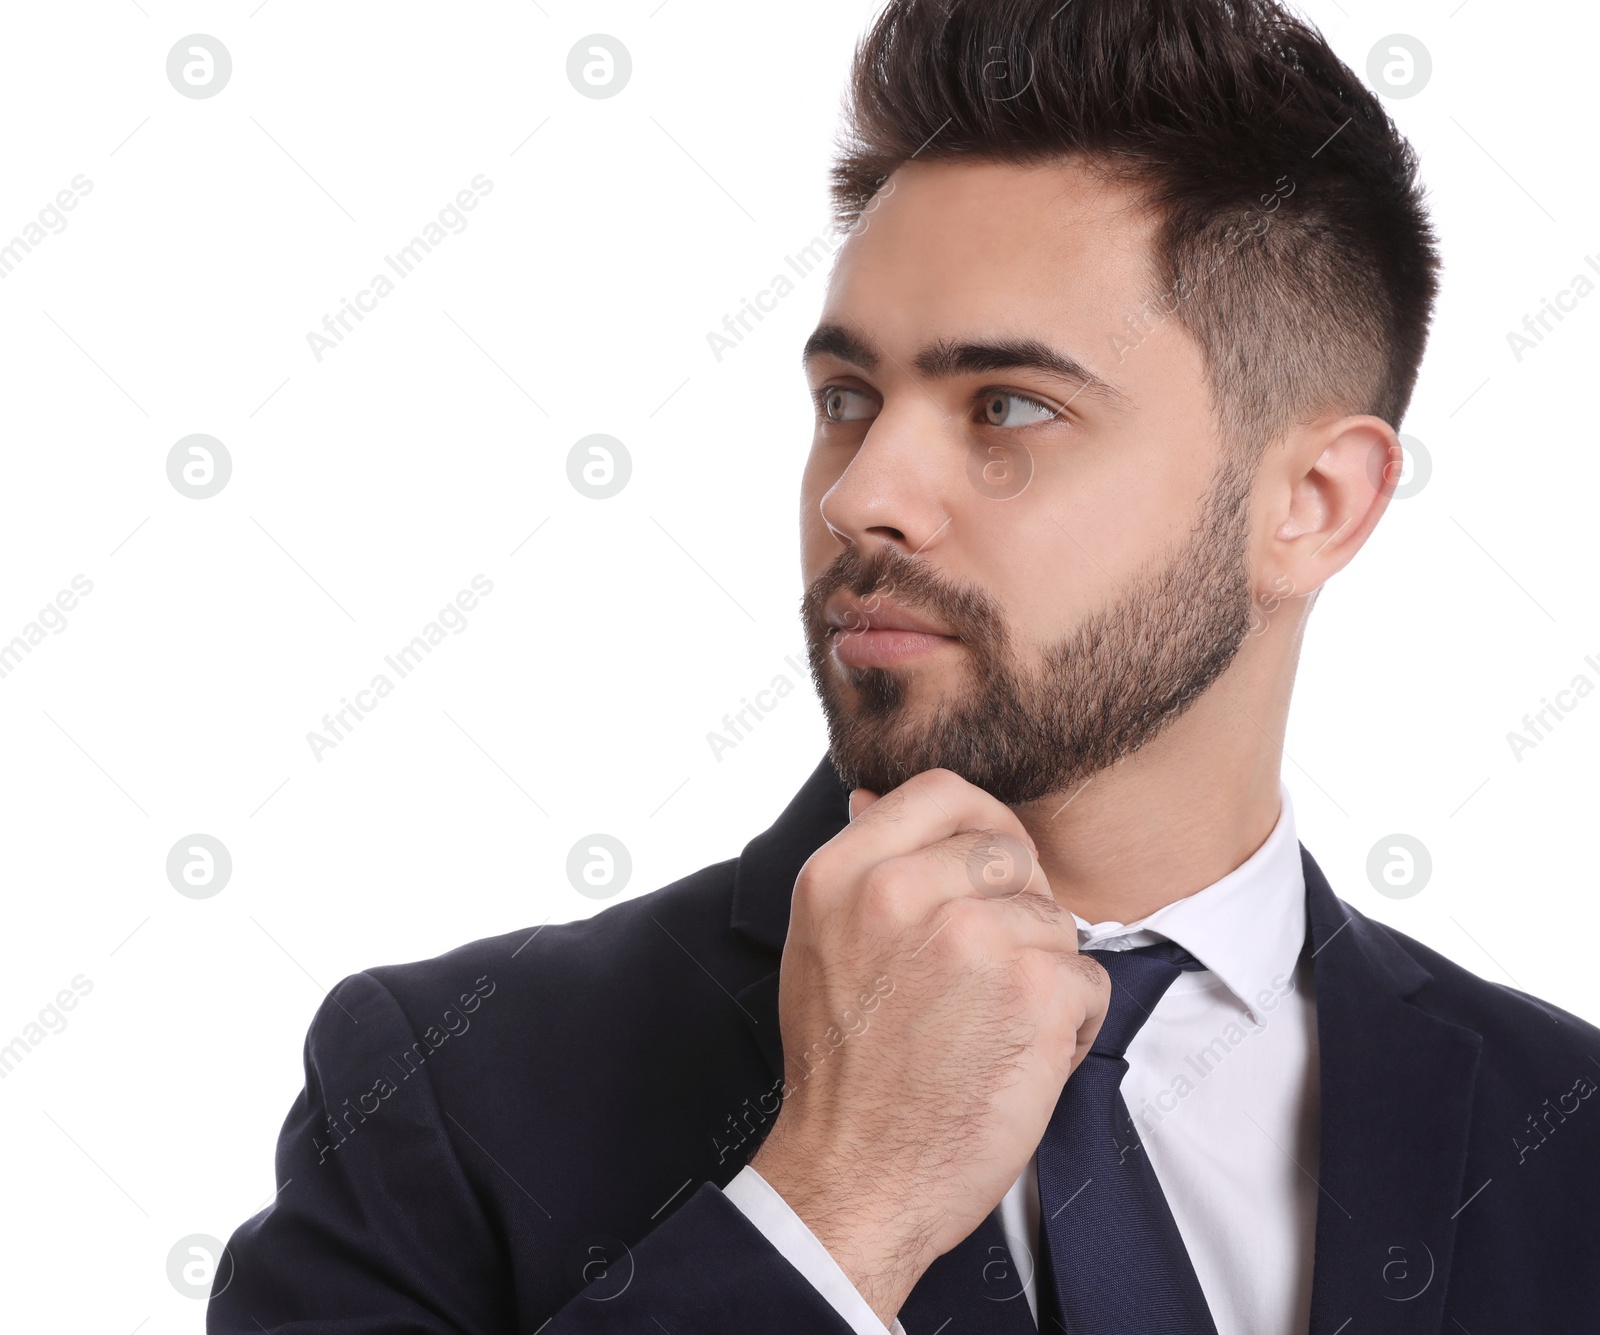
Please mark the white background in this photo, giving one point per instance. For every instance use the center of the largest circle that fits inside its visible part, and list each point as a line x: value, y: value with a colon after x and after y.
x: 369, y: 487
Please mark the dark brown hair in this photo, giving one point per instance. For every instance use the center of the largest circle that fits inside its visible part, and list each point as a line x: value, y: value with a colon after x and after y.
x: 1293, y: 242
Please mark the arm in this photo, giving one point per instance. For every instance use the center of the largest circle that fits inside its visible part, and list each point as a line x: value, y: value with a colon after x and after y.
x: 376, y: 1229
x: 785, y: 1230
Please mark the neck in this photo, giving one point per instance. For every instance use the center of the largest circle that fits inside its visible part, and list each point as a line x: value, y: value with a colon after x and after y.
x: 1181, y: 813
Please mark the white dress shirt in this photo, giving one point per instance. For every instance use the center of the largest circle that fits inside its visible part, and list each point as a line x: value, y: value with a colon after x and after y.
x: 1222, y: 1083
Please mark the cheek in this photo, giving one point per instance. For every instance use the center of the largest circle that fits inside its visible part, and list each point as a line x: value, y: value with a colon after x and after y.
x: 1044, y: 581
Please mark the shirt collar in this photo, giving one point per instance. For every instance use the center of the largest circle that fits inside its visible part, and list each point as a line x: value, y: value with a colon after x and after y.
x: 1247, y: 928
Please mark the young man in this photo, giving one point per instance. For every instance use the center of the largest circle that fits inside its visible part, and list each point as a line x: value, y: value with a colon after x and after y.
x: 1066, y: 1030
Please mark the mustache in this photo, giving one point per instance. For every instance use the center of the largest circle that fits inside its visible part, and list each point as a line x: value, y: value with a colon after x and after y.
x: 891, y: 574
x: 967, y: 612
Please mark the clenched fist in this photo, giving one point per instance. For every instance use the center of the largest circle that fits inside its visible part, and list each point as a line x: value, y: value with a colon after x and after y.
x: 895, y: 1144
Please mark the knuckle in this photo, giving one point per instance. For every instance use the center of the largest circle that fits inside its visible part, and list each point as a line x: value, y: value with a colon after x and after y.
x: 1090, y: 972
x: 886, y: 893
x: 1041, y: 906
x: 941, y: 783
x: 954, y: 936
x: 967, y: 917
x: 998, y: 863
x: 813, y: 881
x: 1038, y: 973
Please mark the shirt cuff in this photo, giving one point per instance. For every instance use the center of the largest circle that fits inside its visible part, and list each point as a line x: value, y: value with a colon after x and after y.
x: 784, y: 1229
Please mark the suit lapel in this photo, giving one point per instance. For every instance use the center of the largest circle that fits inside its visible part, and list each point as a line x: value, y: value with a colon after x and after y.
x: 1396, y: 1097
x: 763, y: 879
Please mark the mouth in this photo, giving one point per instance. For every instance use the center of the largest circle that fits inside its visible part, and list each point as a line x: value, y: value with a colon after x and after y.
x: 885, y: 647
x: 876, y: 632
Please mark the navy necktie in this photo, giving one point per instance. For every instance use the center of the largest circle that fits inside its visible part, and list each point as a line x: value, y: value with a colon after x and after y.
x: 1111, y: 1260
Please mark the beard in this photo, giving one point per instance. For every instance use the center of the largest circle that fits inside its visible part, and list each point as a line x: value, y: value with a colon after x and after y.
x: 1100, y: 693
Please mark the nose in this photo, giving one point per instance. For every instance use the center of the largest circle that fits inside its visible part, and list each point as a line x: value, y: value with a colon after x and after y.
x: 896, y: 488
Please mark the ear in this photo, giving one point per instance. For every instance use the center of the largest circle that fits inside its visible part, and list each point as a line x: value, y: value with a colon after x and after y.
x: 1330, y: 484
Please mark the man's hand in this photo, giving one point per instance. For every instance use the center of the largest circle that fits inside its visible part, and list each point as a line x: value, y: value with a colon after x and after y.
x: 925, y: 934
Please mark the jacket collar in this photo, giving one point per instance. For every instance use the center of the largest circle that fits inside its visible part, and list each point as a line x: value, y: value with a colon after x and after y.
x: 1396, y: 1090
x: 764, y: 879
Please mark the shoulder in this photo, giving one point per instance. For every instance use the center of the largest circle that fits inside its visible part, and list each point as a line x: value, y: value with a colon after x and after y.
x: 627, y: 934
x: 670, y: 950
x: 1524, y: 1037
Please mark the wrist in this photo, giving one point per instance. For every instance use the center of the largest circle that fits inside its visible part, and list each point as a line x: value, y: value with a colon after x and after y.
x: 882, y: 1250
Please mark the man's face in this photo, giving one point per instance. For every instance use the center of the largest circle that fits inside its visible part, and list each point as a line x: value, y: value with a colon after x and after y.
x: 1076, y: 531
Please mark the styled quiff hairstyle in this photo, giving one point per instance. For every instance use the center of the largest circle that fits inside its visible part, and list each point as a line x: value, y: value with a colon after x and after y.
x: 1293, y: 244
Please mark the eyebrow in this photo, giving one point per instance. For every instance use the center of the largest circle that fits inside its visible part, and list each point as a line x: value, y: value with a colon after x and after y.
x: 948, y: 357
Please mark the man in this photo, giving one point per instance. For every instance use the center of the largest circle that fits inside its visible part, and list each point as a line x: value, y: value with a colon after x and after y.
x: 1029, y: 1010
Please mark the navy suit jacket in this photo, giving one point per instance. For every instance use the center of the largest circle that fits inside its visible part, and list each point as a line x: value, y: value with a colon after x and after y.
x: 528, y: 1134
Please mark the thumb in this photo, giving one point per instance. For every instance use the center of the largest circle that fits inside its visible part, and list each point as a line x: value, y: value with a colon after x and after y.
x: 860, y: 800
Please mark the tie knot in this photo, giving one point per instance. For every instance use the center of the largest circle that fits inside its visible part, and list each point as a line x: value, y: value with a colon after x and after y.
x: 1139, y: 977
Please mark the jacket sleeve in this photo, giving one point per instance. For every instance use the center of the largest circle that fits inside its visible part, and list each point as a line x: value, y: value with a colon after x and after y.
x: 375, y: 1228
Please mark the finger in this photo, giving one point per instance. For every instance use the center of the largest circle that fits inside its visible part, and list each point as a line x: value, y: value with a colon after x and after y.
x: 916, y: 886
x: 1099, y: 997
x: 998, y: 863
x: 926, y: 808
x: 860, y: 800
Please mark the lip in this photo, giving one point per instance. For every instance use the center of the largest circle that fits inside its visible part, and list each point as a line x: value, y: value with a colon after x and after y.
x: 848, y: 613
x: 881, y: 635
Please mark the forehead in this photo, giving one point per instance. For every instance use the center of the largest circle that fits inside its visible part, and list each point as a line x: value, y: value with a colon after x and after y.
x: 976, y: 244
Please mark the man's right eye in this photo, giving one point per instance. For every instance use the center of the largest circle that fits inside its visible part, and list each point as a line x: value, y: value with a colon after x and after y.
x: 838, y: 403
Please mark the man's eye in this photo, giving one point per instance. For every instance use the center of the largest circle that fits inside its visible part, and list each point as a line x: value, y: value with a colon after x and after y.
x: 998, y: 409
x: 836, y: 403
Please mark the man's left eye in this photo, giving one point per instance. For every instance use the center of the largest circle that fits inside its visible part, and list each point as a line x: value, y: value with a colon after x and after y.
x: 1003, y: 408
